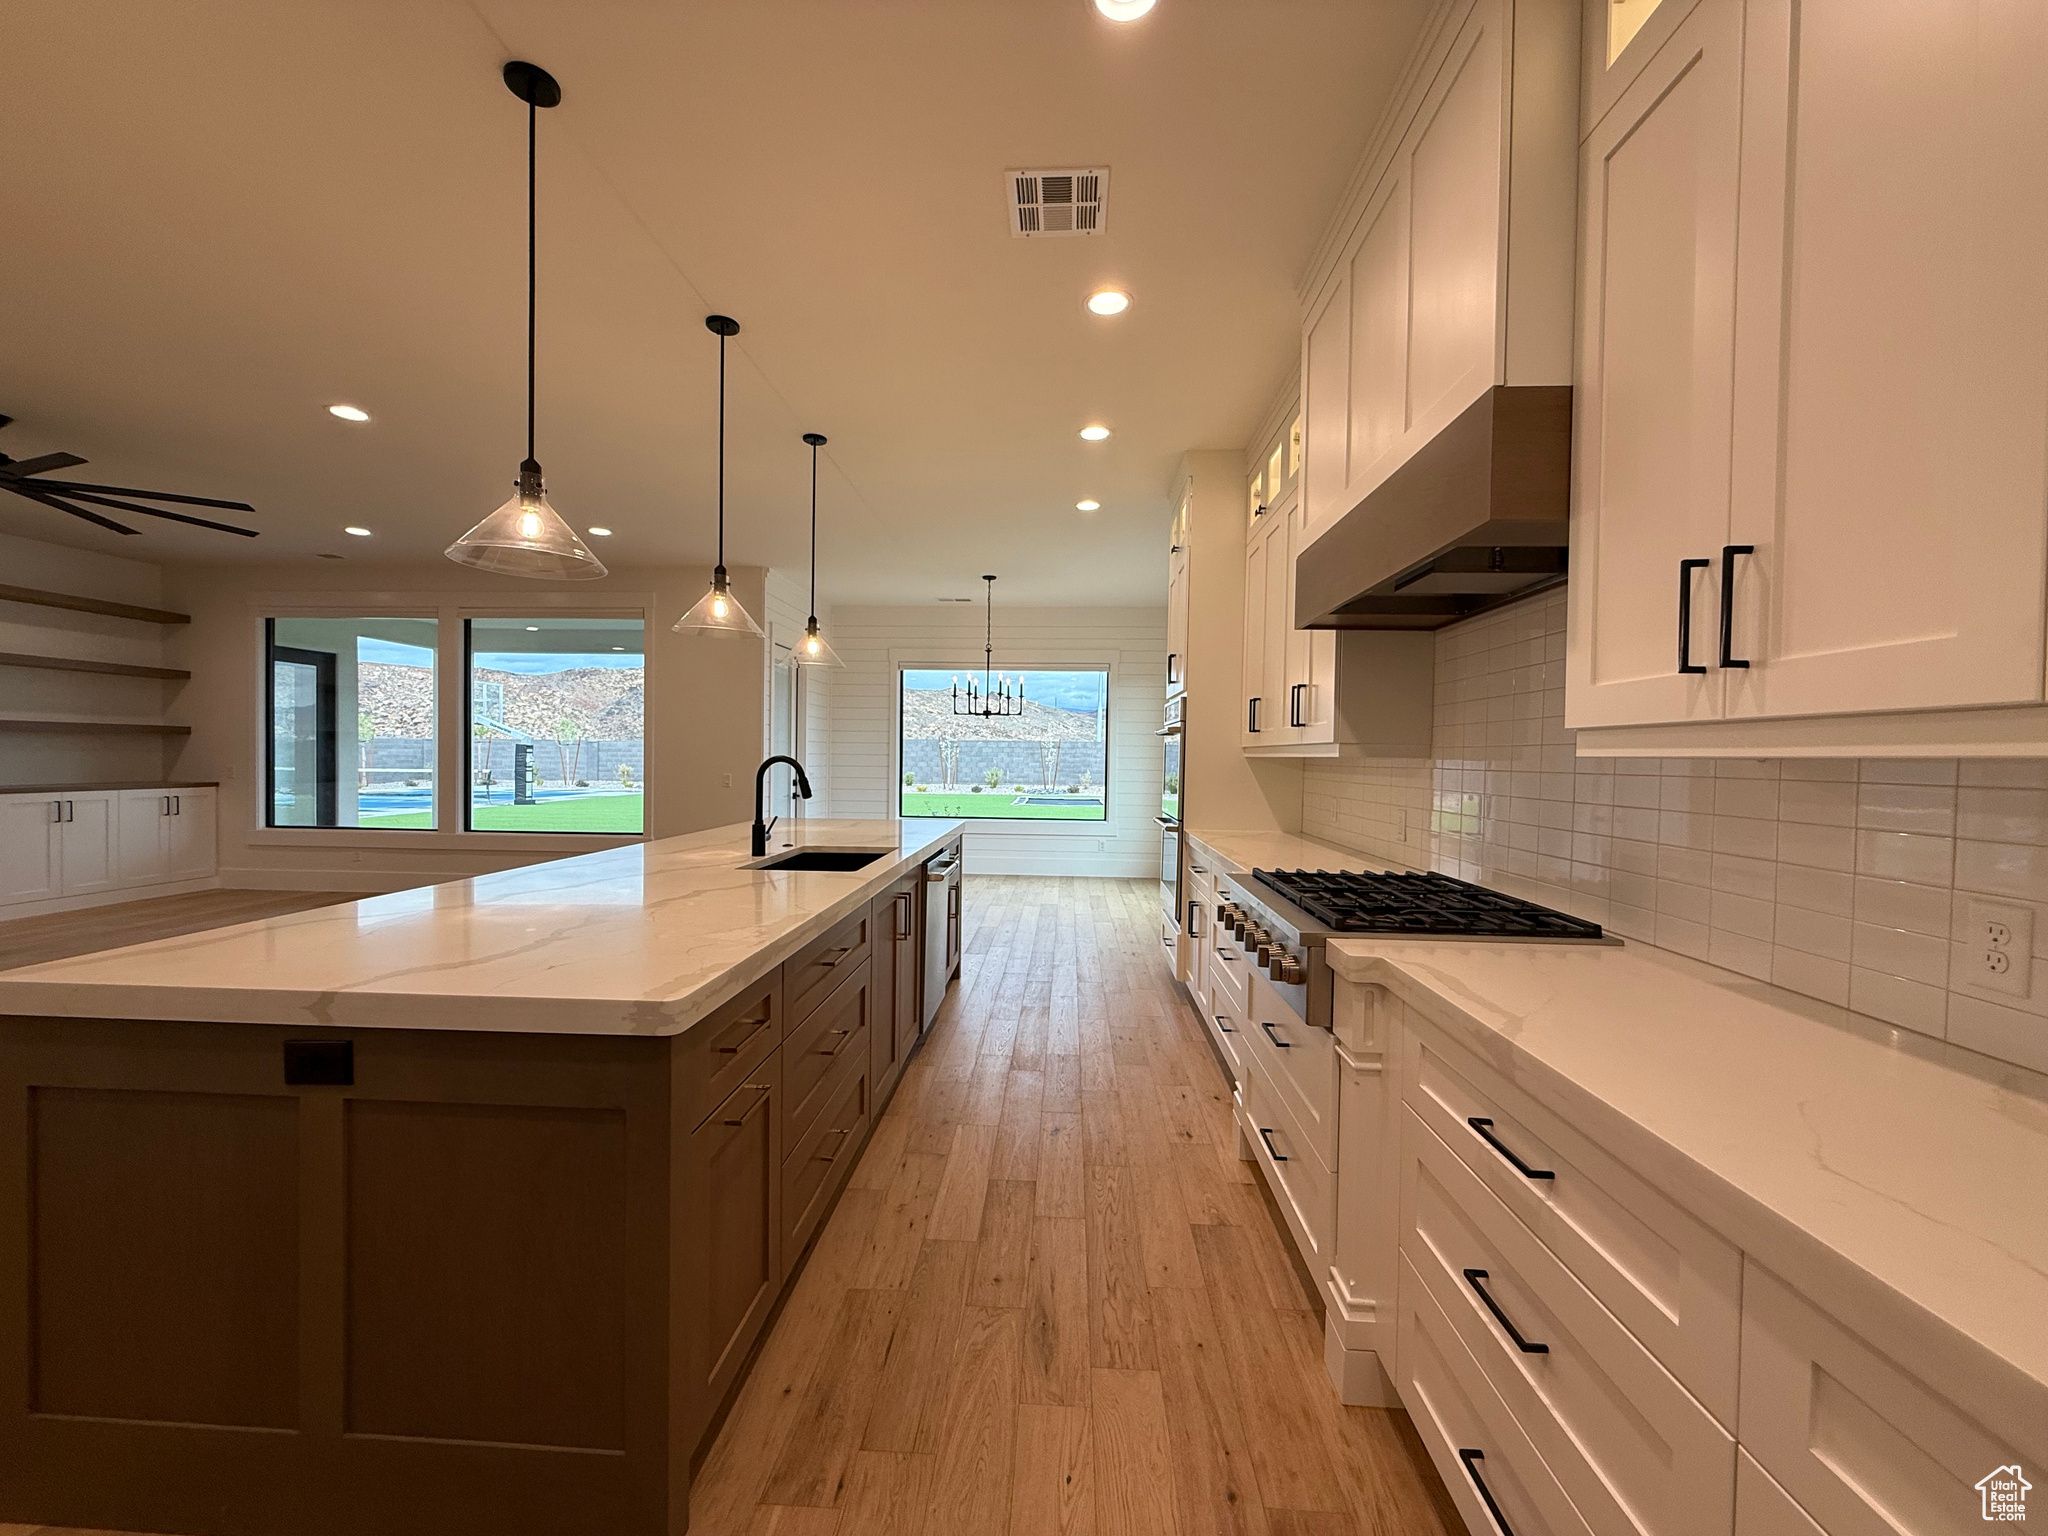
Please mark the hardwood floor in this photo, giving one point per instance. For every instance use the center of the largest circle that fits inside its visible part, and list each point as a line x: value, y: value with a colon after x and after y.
x: 60, y: 935
x: 1051, y: 1302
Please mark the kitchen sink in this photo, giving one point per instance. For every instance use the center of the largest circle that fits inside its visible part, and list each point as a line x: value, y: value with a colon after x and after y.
x: 835, y: 859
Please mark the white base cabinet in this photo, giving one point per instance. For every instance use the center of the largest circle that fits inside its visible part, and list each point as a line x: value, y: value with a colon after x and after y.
x: 58, y: 847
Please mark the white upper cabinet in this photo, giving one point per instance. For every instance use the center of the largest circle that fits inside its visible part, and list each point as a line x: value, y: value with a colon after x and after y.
x: 1415, y: 310
x: 1177, y: 604
x: 1813, y: 355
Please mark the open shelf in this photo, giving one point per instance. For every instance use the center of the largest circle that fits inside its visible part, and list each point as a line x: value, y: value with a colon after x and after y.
x: 43, y: 599
x: 95, y: 728
x: 74, y: 664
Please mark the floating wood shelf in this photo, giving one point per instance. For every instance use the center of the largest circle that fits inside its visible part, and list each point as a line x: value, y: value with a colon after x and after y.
x: 95, y: 728
x: 92, y: 605
x: 74, y: 664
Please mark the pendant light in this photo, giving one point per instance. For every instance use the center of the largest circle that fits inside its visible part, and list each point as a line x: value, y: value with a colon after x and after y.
x: 995, y: 695
x: 526, y: 536
x: 811, y: 650
x: 718, y: 612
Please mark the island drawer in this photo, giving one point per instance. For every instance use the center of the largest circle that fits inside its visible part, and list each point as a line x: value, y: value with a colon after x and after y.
x: 1630, y: 1446
x: 717, y: 1053
x: 809, y: 977
x: 820, y: 1052
x: 817, y: 1164
x: 1674, y: 1282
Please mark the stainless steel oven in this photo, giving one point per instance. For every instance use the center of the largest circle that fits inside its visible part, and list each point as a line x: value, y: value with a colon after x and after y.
x: 1169, y: 810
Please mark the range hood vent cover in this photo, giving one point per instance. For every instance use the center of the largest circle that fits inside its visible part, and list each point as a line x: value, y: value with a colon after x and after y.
x: 1056, y: 202
x: 1478, y: 517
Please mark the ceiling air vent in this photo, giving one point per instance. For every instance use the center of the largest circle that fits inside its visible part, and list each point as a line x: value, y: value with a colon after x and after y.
x: 1066, y: 202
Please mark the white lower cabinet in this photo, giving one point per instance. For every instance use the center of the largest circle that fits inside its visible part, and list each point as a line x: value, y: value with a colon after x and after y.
x: 1762, y: 1508
x: 1302, y: 1184
x: 88, y: 843
x: 30, y: 863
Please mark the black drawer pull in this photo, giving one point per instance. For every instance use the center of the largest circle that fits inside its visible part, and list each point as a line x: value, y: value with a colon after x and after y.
x: 1252, y: 717
x: 320, y: 1063
x: 1471, y: 1459
x: 1223, y: 1026
x: 1728, y: 554
x: 1267, y: 1136
x: 1285, y: 1045
x: 1484, y: 1127
x: 765, y: 1091
x: 1685, y: 570
x: 1472, y: 1278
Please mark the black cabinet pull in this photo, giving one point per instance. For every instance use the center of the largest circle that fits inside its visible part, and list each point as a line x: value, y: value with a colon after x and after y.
x: 1294, y: 696
x: 1685, y: 570
x: 1267, y: 1137
x: 1252, y: 719
x: 1471, y: 1459
x: 1728, y: 554
x: 1285, y: 1045
x: 903, y: 913
x: 1472, y: 1278
x: 1171, y: 658
x: 56, y: 812
x: 1221, y: 1025
x: 1484, y: 1127
x: 1194, y: 911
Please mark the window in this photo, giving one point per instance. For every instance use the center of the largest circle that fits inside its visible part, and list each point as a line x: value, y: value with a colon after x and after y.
x: 1049, y: 763
x: 351, y: 723
x: 557, y: 725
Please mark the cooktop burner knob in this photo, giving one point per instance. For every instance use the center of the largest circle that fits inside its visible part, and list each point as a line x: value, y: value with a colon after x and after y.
x: 1287, y: 968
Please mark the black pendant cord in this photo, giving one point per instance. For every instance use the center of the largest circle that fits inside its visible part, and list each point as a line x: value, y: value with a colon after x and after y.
x: 532, y: 268
x: 721, y: 458
x: 988, y: 648
x: 814, y: 536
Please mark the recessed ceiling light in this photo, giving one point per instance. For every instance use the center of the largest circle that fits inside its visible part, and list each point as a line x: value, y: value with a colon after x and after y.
x: 349, y: 412
x: 1090, y: 505
x: 1109, y: 301
x: 533, y: 629
x: 1124, y: 10
x: 602, y: 533
x: 361, y: 533
x: 1094, y: 434
x: 618, y: 647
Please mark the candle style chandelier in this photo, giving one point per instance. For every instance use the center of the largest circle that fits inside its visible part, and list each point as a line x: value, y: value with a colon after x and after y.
x: 995, y: 695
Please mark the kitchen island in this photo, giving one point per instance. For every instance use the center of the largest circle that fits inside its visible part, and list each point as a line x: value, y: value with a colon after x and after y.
x: 455, y: 1209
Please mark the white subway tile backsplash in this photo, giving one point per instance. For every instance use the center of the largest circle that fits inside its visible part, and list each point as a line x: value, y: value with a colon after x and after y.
x: 1840, y: 879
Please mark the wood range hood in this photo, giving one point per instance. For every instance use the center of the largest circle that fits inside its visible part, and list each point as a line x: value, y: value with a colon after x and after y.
x: 1477, y: 517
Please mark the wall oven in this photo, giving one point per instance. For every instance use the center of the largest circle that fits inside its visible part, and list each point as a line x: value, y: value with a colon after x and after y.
x: 1169, y: 810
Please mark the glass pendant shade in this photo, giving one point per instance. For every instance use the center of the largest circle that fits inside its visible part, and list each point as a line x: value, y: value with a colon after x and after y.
x: 813, y: 651
x: 718, y: 612
x: 527, y: 537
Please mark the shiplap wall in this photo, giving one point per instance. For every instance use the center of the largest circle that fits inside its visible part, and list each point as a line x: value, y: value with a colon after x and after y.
x: 857, y: 754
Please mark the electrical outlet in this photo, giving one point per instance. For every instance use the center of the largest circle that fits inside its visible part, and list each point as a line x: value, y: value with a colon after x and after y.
x: 728, y: 781
x: 2001, y: 947
x: 1401, y: 825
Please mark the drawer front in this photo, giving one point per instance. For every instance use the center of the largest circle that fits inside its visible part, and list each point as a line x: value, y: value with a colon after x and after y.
x: 1762, y: 1508
x: 1232, y: 969
x: 1675, y: 1284
x: 811, y: 976
x: 1632, y: 1448
x: 817, y: 1165
x: 1494, y: 1475
x: 1300, y: 1060
x: 1301, y: 1182
x: 1225, y: 1028
x: 1864, y: 1448
x: 820, y: 1051
x: 721, y: 1050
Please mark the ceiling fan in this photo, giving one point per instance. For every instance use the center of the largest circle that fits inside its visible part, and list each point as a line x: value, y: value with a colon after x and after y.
x: 15, y: 476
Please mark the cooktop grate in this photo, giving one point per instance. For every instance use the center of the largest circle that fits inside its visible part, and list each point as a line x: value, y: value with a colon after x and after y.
x: 1427, y: 903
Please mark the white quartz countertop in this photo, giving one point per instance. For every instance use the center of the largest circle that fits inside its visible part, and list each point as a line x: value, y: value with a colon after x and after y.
x: 1241, y: 851
x: 640, y: 940
x: 1891, y: 1178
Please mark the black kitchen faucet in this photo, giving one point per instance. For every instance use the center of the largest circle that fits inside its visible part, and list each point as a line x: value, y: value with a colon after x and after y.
x: 803, y: 790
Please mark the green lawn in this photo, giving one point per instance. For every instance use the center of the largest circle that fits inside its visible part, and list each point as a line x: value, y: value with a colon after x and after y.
x: 620, y: 814
x: 1002, y: 804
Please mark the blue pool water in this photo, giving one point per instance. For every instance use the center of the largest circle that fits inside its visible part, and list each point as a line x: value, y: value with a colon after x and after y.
x: 421, y: 798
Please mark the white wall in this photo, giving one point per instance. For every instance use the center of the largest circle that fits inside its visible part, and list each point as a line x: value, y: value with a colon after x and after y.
x: 856, y: 760
x: 1847, y: 881
x: 42, y: 694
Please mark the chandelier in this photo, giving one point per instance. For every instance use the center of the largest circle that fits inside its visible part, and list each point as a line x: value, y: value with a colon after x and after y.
x: 995, y: 695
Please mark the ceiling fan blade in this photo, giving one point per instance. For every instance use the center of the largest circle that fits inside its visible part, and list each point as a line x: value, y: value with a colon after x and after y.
x: 66, y: 487
x: 176, y: 517
x: 62, y: 506
x: 40, y: 464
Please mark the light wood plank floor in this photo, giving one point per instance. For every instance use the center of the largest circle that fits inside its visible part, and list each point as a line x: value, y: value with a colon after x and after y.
x: 60, y: 935
x: 1051, y: 1299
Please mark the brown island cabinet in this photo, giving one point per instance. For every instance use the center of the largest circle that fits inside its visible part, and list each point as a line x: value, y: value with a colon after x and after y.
x: 275, y: 1280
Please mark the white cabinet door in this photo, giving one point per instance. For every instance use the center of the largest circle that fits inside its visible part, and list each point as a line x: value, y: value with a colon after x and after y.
x: 1658, y: 199
x: 1177, y: 622
x: 1891, y: 467
x: 142, y: 839
x: 1256, y: 715
x: 86, y: 845
x: 1276, y: 728
x: 189, y: 848
x: 29, y: 867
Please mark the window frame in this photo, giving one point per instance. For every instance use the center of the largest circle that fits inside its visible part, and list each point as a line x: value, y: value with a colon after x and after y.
x: 1039, y: 661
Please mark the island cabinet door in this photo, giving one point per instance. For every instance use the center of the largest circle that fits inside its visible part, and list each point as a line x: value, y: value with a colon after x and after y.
x: 893, y: 1029
x: 731, y: 1238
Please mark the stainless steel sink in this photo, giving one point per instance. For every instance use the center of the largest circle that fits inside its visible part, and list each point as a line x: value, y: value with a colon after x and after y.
x: 839, y: 860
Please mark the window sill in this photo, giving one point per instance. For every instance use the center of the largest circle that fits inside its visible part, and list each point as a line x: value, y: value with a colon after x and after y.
x: 555, y: 845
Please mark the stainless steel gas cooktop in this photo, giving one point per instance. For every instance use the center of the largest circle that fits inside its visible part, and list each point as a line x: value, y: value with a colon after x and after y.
x: 1424, y: 904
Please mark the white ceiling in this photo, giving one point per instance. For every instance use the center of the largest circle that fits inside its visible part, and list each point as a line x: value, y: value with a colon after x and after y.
x: 221, y: 217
